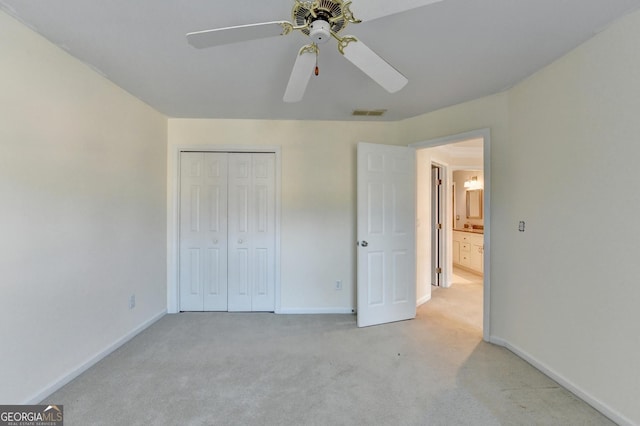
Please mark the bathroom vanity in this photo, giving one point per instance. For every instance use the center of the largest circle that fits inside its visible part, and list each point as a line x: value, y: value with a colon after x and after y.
x: 468, y: 249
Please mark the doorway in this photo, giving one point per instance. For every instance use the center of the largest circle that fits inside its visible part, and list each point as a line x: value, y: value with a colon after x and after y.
x: 427, y: 155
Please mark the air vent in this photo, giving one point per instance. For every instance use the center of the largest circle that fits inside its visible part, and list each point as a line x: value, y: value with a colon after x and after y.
x: 369, y: 112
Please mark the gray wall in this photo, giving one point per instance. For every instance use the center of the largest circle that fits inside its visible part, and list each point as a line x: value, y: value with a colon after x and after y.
x: 82, y: 219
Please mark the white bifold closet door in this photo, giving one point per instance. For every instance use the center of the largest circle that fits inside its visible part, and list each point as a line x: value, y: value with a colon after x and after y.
x: 227, y: 232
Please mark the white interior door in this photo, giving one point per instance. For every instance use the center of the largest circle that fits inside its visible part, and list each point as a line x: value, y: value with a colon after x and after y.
x: 203, y: 231
x: 252, y: 232
x: 386, y: 234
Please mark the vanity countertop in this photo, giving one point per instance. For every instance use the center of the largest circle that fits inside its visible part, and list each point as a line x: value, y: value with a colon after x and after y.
x: 469, y: 230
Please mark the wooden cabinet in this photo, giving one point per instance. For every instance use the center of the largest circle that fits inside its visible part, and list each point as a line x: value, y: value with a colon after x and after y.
x: 468, y: 251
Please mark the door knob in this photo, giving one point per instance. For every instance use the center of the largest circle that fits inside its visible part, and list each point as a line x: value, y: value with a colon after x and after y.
x: 240, y: 241
x: 215, y: 241
x: 364, y: 244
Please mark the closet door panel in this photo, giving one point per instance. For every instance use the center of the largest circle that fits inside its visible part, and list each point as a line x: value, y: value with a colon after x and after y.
x: 191, y: 186
x: 203, y: 231
x: 240, y: 276
x: 215, y: 276
x: 263, y: 235
x: 251, y: 232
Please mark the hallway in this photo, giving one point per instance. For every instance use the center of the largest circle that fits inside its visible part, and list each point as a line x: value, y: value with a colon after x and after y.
x: 463, y: 301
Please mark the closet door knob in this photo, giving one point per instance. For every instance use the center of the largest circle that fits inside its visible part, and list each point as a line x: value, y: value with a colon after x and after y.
x: 240, y: 241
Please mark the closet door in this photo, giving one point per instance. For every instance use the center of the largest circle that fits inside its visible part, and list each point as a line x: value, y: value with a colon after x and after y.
x: 203, y: 231
x: 251, y: 224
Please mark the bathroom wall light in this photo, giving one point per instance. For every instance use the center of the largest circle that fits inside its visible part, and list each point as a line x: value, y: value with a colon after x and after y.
x: 472, y: 183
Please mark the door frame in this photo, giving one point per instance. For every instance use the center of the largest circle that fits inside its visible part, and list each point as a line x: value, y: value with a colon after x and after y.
x: 440, y: 246
x: 485, y: 134
x: 173, y: 215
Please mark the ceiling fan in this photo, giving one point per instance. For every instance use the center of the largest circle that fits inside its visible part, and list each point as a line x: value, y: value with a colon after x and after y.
x: 320, y: 20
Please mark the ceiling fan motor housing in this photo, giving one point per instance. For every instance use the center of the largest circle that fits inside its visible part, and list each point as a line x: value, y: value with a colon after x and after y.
x: 320, y: 31
x: 328, y: 11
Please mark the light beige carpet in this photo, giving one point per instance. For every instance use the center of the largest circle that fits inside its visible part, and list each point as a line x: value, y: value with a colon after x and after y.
x: 265, y: 369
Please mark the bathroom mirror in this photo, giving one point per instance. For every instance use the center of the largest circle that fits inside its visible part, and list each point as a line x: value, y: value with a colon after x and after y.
x: 474, y: 204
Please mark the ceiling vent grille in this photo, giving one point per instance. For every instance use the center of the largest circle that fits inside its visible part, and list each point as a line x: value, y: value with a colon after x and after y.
x: 369, y: 112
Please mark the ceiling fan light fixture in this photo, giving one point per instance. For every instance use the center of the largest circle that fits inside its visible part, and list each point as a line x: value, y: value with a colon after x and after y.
x: 320, y: 31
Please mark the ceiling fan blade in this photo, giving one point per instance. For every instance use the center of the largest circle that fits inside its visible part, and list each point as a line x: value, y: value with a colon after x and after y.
x: 301, y: 73
x: 374, y: 9
x: 373, y: 65
x: 220, y: 36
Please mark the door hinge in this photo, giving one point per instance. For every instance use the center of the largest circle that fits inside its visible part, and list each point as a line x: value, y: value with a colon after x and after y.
x: 439, y: 226
x: 439, y: 183
x: 438, y: 270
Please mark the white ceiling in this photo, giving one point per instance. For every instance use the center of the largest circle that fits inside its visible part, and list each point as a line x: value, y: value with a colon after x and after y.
x: 451, y: 52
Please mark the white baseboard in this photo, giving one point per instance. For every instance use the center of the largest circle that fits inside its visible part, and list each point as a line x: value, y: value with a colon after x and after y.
x: 423, y: 300
x: 52, y: 387
x: 561, y: 380
x: 315, y: 311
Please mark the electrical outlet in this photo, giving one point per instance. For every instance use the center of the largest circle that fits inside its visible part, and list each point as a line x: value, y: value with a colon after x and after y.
x: 339, y: 285
x: 132, y: 301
